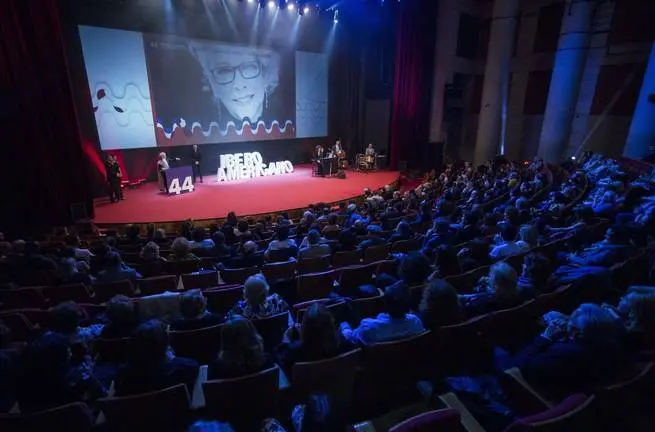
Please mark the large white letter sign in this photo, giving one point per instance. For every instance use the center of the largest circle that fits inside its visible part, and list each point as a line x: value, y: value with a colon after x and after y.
x: 241, y: 166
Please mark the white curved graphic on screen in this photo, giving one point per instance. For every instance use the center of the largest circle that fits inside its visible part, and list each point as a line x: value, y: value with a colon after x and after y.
x: 134, y: 87
x: 275, y: 125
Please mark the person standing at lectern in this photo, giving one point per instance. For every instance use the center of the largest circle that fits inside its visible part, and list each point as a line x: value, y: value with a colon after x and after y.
x: 114, y: 176
x: 162, y: 166
x: 196, y: 157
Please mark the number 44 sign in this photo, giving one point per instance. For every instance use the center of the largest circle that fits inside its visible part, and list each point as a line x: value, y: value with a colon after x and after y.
x: 175, y: 188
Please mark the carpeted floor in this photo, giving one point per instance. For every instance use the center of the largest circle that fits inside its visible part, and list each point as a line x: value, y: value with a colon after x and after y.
x: 254, y: 196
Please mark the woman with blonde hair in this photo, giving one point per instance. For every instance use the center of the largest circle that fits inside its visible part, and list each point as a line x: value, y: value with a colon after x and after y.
x: 242, y: 351
x: 180, y: 251
x: 150, y: 253
x: 257, y: 303
x: 501, y: 292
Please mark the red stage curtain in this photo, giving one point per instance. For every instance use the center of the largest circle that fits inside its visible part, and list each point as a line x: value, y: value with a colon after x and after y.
x: 44, y: 166
x: 410, y: 117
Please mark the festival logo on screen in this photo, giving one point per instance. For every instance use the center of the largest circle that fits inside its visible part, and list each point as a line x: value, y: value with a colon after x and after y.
x: 206, y: 92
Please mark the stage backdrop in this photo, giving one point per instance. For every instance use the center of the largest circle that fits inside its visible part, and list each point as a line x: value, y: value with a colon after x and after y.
x: 228, y: 76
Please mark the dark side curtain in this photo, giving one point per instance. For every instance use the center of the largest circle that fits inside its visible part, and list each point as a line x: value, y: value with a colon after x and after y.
x: 44, y: 170
x: 414, y: 62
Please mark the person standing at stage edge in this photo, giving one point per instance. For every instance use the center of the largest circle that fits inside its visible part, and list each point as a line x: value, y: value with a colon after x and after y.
x: 196, y: 157
x: 114, y: 176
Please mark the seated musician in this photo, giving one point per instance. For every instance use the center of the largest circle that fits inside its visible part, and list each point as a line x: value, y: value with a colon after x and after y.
x: 370, y: 156
x: 337, y: 149
x: 370, y: 151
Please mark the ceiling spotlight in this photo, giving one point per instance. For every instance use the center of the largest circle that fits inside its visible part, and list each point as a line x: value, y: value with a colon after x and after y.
x: 250, y: 1
x: 306, y: 9
x: 271, y: 4
x: 290, y: 6
x: 336, y: 16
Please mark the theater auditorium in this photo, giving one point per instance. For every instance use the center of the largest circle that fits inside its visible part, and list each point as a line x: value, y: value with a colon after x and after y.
x: 327, y: 215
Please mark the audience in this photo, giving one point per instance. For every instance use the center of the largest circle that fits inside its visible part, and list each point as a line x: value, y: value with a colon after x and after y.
x: 534, y: 277
x: 121, y: 316
x: 199, y: 241
x: 439, y: 305
x: 374, y: 238
x: 115, y: 270
x: 149, y: 366
x: 242, y: 351
x: 499, y: 292
x: 396, y: 323
x: 150, y: 253
x: 508, y: 246
x: 314, y: 248
x: 317, y: 338
x: 257, y: 303
x: 181, y: 251
x: 193, y: 308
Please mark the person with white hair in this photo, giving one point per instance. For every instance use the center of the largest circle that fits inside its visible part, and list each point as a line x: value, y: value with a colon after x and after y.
x: 243, y: 80
x: 257, y: 303
x: 162, y: 166
x: 352, y: 215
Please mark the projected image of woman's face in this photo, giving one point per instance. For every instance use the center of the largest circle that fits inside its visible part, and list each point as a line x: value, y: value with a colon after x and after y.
x: 237, y: 81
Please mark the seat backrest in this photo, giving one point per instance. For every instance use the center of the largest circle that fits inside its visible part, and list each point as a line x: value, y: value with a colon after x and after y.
x: 380, y: 358
x: 443, y: 420
x: 368, y: 307
x: 201, y: 280
x: 21, y: 328
x: 572, y: 414
x: 181, y: 267
x: 282, y: 270
x: 376, y: 253
x: 105, y: 291
x: 150, y: 269
x: 465, y: 282
x: 221, y: 300
x: 244, y: 401
x: 238, y: 276
x: 157, y: 285
x: 74, y: 292
x: 405, y: 246
x: 337, y: 308
x: 555, y: 300
x: 76, y: 416
x: 354, y: 276
x: 387, y: 266
x: 162, y: 410
x: 346, y: 258
x: 18, y: 298
x: 201, y: 345
x: 333, y: 376
x: 277, y: 255
x: 626, y: 391
x: 111, y: 350
x: 272, y: 329
x: 314, y: 265
x: 315, y: 285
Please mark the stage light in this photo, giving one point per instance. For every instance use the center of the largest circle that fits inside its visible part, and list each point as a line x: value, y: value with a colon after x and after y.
x: 271, y: 4
x: 336, y: 16
x: 572, y: 157
x: 290, y: 6
x: 250, y: 1
x: 306, y: 9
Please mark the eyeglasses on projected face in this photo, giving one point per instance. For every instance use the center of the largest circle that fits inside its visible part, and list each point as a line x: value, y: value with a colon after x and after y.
x: 224, y: 75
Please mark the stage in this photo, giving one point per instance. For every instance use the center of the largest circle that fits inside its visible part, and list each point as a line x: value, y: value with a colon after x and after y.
x: 260, y: 195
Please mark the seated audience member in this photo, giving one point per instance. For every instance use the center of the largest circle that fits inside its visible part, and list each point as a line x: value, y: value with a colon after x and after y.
x: 150, y: 253
x: 80, y: 253
x: 528, y: 237
x: 332, y: 229
x: 199, y: 241
x: 347, y: 240
x: 439, y: 305
x: 122, y: 318
x: 8, y: 371
x: 314, y: 248
x: 373, y: 239
x: 72, y: 271
x: 509, y: 245
x: 48, y: 379
x: 149, y: 367
x: 193, y: 308
x: 315, y: 339
x: 469, y: 229
x: 635, y: 311
x: 535, y: 273
x: 115, y: 270
x: 257, y: 303
x: 573, y: 355
x: 247, y: 257
x: 490, y: 225
x: 242, y: 351
x: 474, y: 255
x: 65, y: 319
x: 616, y: 247
x: 351, y: 216
x: 446, y: 262
x: 413, y: 270
x: 133, y: 234
x: 243, y: 232
x: 160, y: 236
x: 500, y: 292
x: 220, y: 248
x: 403, y: 232
x: 395, y: 323
x: 181, y: 251
x: 282, y: 241
x: 439, y: 234
x: 320, y: 413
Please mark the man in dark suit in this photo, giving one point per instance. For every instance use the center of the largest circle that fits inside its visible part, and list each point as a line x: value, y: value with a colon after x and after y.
x: 196, y: 157
x: 114, y: 176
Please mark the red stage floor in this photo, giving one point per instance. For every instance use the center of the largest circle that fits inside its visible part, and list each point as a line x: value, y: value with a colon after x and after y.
x: 248, y: 197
